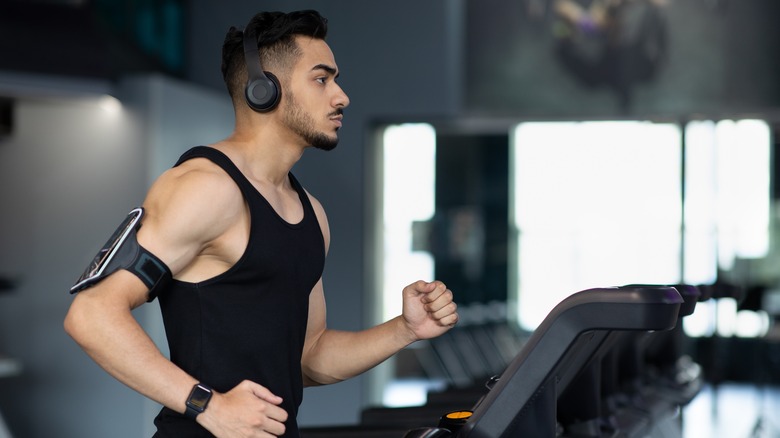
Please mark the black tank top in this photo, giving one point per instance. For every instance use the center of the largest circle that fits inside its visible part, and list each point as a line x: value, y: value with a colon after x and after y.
x: 249, y: 322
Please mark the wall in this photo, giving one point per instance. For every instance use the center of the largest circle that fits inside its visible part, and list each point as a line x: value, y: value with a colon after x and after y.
x: 68, y: 174
x: 694, y: 57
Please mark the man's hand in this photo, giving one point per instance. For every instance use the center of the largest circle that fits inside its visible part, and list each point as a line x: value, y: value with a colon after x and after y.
x: 248, y: 410
x: 428, y: 309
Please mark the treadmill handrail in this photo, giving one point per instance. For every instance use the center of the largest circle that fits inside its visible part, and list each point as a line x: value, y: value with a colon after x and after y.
x: 573, y: 331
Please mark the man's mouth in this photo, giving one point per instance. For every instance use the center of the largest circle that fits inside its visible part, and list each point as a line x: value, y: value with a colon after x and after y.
x: 337, y: 117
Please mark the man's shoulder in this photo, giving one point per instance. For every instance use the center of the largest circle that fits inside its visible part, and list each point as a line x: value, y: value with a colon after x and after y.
x: 197, y: 181
x: 200, y: 173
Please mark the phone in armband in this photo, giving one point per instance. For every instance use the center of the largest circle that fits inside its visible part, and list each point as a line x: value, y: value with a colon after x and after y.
x: 103, y: 258
x: 95, y: 270
x: 122, y: 251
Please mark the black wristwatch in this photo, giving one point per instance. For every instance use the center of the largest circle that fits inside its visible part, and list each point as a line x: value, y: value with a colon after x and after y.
x: 198, y: 400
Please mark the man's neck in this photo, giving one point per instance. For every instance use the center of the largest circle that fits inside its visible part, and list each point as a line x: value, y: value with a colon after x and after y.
x: 267, y: 159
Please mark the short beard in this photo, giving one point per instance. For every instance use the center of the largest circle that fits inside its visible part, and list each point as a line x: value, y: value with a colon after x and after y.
x: 302, y: 124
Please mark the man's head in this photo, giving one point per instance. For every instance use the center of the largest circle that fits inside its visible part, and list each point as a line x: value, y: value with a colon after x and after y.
x: 292, y: 48
x: 275, y: 33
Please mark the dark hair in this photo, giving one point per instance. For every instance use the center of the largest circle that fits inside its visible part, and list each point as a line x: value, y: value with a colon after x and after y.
x: 275, y: 33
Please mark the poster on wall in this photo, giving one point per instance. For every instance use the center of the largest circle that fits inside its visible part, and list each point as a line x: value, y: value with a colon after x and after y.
x: 608, y: 58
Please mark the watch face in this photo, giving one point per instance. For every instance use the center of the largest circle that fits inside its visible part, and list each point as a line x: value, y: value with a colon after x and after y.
x: 199, y: 398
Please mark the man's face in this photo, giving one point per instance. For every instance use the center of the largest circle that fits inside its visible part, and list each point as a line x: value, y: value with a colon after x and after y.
x: 312, y: 101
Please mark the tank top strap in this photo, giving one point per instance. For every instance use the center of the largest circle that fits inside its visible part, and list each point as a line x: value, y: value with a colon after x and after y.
x: 247, y: 189
x: 305, y: 201
x: 220, y: 159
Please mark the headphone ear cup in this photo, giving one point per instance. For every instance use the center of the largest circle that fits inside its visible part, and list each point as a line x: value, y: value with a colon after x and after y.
x: 263, y: 93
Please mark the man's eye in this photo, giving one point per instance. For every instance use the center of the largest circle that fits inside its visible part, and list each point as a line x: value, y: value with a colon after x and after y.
x: 322, y: 80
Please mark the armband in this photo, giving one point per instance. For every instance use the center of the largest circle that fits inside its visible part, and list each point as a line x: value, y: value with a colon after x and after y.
x: 122, y: 251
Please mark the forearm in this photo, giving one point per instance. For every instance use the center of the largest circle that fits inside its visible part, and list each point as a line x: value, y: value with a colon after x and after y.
x: 339, y: 355
x: 115, y: 341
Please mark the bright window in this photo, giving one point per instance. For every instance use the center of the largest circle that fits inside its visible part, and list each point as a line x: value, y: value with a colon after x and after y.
x: 593, y: 204
x: 596, y: 204
x: 409, y: 175
x: 727, y: 213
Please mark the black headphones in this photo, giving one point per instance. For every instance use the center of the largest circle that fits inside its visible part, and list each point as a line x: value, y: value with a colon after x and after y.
x: 262, y: 88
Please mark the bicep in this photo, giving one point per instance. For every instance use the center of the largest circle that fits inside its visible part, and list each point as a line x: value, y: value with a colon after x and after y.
x: 317, y: 319
x: 317, y: 313
x: 315, y: 329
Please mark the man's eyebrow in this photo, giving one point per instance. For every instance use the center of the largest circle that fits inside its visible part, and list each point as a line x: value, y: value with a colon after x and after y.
x: 329, y: 69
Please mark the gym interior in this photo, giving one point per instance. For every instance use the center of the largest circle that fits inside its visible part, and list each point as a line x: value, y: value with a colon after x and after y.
x: 602, y: 205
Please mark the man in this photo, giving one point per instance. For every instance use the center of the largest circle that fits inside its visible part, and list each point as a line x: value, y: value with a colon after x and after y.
x: 245, y: 246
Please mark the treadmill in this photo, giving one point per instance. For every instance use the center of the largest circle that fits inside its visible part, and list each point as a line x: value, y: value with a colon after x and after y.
x: 523, y: 400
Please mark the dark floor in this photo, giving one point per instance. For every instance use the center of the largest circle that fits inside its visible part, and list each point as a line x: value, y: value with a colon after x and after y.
x: 730, y: 410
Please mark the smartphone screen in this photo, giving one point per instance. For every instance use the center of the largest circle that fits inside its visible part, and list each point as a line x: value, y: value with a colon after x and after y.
x: 108, y: 251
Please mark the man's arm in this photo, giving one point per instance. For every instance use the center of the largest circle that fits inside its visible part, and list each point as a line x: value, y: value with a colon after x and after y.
x: 181, y: 221
x: 331, y: 356
x: 99, y: 319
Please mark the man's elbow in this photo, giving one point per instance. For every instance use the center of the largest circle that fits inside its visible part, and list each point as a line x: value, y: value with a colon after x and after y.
x: 80, y: 321
x: 320, y: 380
x: 313, y: 377
x: 75, y: 320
